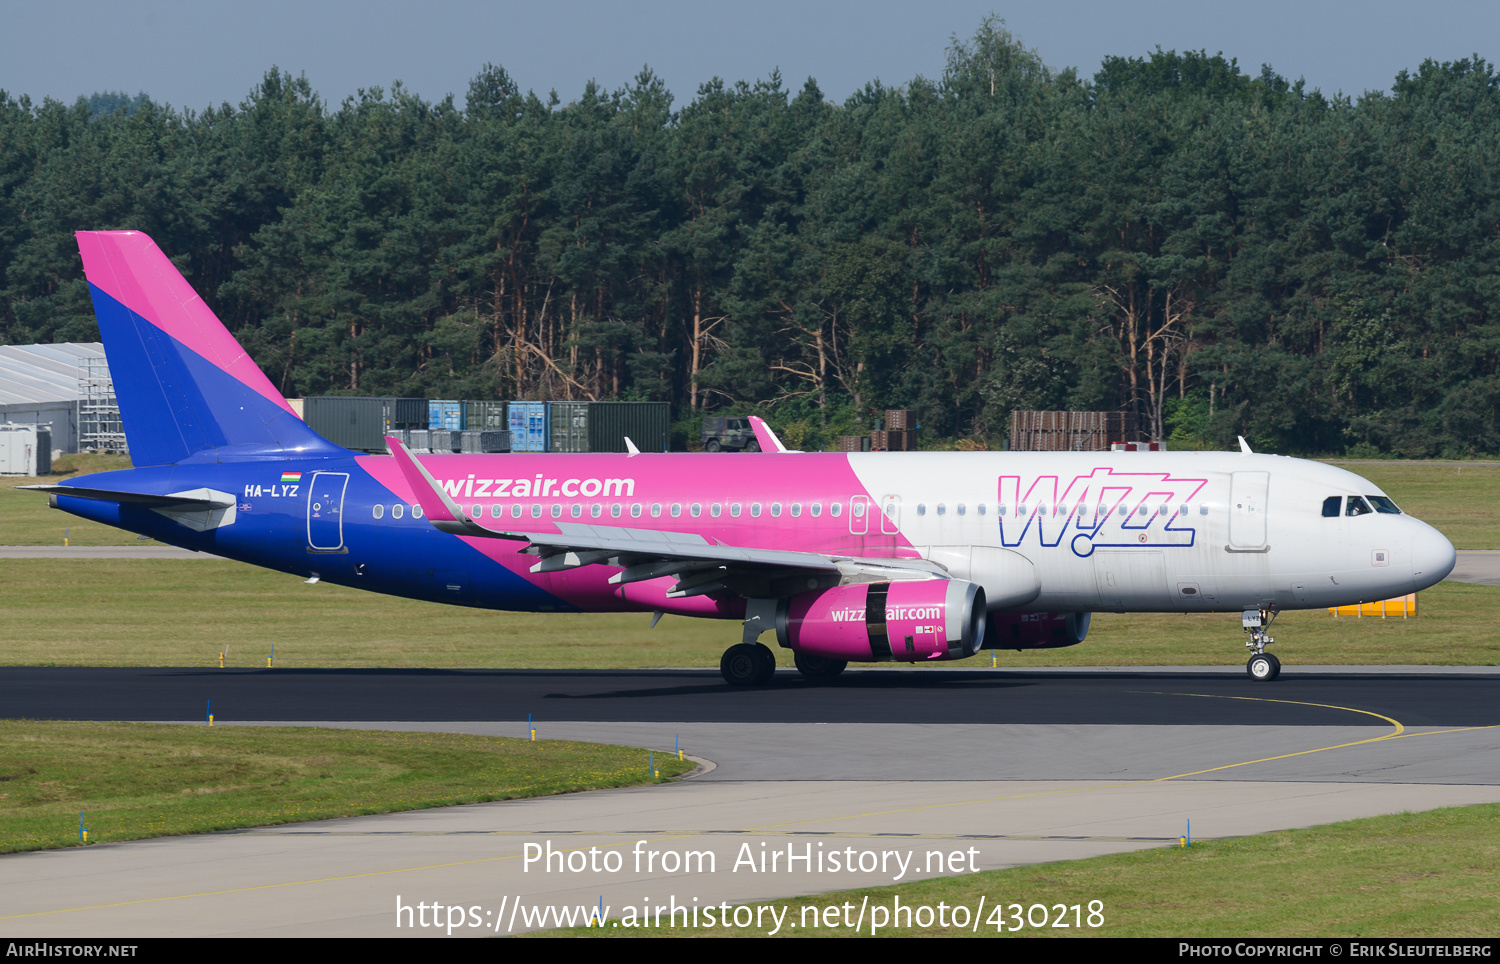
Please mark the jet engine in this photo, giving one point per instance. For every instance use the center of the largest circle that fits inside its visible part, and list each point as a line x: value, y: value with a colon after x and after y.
x: 1035, y: 630
x: 904, y: 621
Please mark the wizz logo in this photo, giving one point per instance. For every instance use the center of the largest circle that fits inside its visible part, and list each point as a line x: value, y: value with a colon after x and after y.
x: 1104, y: 508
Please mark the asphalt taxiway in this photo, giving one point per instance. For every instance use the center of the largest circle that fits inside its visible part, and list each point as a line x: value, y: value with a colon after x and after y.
x: 999, y: 766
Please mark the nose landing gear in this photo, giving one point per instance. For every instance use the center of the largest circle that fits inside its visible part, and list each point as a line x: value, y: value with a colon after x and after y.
x: 1261, y: 665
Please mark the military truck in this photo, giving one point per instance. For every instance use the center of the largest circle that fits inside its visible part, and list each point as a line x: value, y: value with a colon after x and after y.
x: 728, y: 435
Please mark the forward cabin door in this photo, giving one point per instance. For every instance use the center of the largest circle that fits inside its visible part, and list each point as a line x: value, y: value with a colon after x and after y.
x: 1248, y: 493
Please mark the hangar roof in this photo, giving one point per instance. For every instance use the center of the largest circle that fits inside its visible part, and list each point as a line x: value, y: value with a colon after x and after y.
x: 44, y: 373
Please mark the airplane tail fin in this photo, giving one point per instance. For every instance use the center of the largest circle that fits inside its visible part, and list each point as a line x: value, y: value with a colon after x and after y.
x: 186, y: 388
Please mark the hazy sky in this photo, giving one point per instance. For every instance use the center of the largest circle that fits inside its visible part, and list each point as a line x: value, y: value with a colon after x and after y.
x: 191, y: 54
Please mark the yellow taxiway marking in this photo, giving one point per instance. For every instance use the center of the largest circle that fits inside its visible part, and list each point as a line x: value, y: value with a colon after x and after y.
x: 1398, y: 733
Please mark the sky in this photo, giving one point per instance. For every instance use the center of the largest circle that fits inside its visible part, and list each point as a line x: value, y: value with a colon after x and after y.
x: 198, y: 54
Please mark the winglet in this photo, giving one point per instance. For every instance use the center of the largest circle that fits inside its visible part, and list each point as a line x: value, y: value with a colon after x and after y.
x: 1245, y: 446
x: 763, y: 434
x: 436, y: 504
x: 630, y: 447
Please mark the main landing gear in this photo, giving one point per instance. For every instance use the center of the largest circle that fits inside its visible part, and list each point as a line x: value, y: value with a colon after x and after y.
x: 747, y: 664
x: 1261, y: 665
x: 816, y: 669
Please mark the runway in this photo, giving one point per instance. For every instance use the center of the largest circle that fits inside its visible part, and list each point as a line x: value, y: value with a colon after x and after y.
x: 1060, y: 765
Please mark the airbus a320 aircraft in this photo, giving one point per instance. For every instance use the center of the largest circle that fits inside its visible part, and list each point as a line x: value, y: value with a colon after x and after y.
x: 902, y: 557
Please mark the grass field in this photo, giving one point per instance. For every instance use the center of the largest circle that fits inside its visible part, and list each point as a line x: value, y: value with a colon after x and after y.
x: 1429, y: 874
x: 134, y: 780
x: 123, y: 612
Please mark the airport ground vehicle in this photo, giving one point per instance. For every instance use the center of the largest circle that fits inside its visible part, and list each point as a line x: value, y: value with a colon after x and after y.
x: 905, y: 556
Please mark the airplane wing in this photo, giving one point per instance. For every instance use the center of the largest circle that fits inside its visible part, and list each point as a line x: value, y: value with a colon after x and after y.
x: 700, y: 566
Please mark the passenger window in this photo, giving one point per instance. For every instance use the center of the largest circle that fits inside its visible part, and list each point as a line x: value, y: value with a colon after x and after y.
x: 1331, y: 506
x: 556, y: 511
x: 577, y: 512
x: 596, y: 510
x: 734, y: 509
x: 515, y: 511
x: 817, y: 509
x: 796, y: 510
x: 696, y: 510
x: 378, y: 510
x: 1357, y: 506
x: 416, y: 512
x: 656, y: 510
x: 716, y: 510
x: 835, y: 509
x: 635, y: 510
x: 496, y: 511
x: 755, y: 510
x: 961, y: 509
x: 536, y: 511
x: 676, y: 509
x: 615, y: 510
x: 398, y: 510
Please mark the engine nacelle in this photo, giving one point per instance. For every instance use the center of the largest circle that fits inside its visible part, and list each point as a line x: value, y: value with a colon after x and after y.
x: 1035, y: 630
x: 906, y: 621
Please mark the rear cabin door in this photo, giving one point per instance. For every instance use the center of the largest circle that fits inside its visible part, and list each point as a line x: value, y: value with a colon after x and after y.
x: 325, y: 511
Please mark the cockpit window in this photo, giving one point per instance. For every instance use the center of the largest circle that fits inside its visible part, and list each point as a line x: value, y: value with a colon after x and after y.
x: 1357, y: 506
x: 1331, y: 506
x: 1384, y: 505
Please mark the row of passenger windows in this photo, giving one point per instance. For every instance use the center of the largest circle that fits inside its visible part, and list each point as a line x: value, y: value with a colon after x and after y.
x: 1355, y: 505
x: 795, y: 510
x: 397, y: 511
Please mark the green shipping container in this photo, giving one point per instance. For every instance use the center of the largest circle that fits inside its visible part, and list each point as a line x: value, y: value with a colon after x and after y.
x: 649, y: 425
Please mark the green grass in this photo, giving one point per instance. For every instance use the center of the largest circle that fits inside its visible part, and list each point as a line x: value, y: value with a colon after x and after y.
x: 118, y: 612
x: 1429, y: 874
x: 134, y: 780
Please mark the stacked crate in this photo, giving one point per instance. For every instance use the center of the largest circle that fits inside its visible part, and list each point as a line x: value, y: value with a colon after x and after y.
x: 1070, y: 431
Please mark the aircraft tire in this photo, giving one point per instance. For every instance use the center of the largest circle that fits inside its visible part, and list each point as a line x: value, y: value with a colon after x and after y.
x: 767, y: 663
x: 817, y: 669
x: 1262, y: 667
x: 741, y: 665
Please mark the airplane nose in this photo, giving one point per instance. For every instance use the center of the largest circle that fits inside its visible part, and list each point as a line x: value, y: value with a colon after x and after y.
x: 1432, y: 556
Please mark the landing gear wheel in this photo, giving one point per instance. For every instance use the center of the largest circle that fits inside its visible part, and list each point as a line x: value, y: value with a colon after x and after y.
x: 767, y: 663
x: 747, y: 664
x: 1275, y: 666
x: 816, y: 669
x: 1263, y: 667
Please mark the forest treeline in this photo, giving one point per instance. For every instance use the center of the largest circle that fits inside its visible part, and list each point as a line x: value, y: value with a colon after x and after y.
x: 1221, y: 253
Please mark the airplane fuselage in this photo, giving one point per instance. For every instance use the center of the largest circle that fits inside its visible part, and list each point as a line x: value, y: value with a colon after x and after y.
x: 1099, y: 531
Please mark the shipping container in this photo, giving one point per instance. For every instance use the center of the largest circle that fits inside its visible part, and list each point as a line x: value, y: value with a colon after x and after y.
x: 1070, y: 431
x: 25, y: 450
x: 528, y: 427
x: 486, y: 417
x: 569, y: 430
x: 445, y: 413
x: 648, y: 424
x: 361, y: 423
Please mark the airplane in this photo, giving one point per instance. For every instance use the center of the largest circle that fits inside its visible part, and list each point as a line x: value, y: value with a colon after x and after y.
x: 858, y: 557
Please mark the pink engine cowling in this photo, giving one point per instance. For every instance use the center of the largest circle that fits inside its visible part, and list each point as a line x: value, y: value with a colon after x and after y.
x: 904, y: 621
x: 1035, y: 630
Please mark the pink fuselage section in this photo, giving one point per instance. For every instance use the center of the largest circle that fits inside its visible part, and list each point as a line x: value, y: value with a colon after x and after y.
x: 806, y: 502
